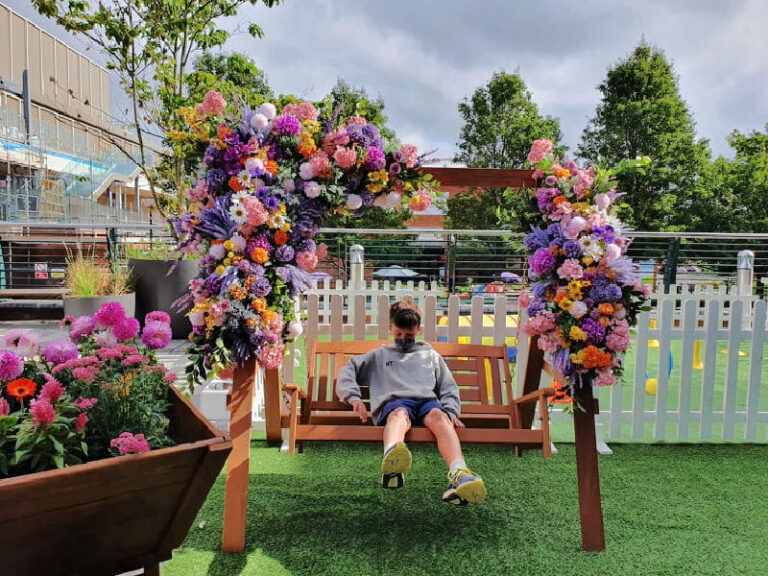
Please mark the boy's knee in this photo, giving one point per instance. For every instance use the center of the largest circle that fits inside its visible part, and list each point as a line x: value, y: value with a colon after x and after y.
x: 399, y: 413
x: 436, y: 416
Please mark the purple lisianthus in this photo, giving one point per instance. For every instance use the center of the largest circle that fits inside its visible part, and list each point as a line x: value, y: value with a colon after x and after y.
x: 572, y: 249
x: 59, y: 351
x: 11, y: 365
x: 156, y: 335
x: 595, y: 331
x: 287, y: 125
x: 261, y: 287
x: 284, y: 253
x: 271, y: 203
x: 542, y: 262
x: 375, y: 159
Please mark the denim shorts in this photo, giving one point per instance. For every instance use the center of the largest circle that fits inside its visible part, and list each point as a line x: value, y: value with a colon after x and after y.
x: 417, y: 409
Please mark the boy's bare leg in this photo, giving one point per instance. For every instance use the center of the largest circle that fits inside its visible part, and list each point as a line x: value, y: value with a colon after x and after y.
x: 447, y: 440
x: 398, y: 423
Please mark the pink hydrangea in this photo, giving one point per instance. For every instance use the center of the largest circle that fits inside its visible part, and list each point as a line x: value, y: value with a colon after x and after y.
x: 548, y: 342
x: 42, y: 412
x: 410, y: 155
x: 605, y: 377
x: 52, y: 390
x: 109, y: 315
x: 127, y: 443
x: 159, y: 315
x: 539, y: 150
x: 126, y: 329
x: 156, y: 335
x: 540, y: 323
x: 345, y: 158
x: 213, y: 104
x: 306, y: 260
x: 570, y: 269
x: 81, y: 421
x: 11, y: 365
x: 5, y: 408
x: 420, y: 201
x: 302, y: 111
x: 617, y: 342
x: 271, y: 357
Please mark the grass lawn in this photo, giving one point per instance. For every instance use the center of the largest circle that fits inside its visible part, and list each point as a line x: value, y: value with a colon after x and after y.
x: 669, y: 510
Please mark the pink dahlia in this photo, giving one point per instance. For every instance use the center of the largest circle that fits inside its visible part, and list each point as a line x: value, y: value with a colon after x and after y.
x: 158, y: 315
x: 11, y: 365
x: 126, y: 329
x: 156, y: 335
x: 109, y: 315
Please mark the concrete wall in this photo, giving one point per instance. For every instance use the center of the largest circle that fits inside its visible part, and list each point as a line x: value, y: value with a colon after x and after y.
x: 59, y: 77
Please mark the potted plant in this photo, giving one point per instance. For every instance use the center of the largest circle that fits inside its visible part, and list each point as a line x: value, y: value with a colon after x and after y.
x: 91, y: 282
x: 97, y: 446
x: 159, y: 280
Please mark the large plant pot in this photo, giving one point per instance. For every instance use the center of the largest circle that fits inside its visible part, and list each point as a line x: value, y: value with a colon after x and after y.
x: 114, y: 515
x: 156, y: 289
x: 76, y: 306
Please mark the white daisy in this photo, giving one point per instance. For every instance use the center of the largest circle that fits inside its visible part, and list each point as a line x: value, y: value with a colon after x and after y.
x: 277, y: 220
x: 244, y: 177
x: 238, y: 214
x: 239, y: 197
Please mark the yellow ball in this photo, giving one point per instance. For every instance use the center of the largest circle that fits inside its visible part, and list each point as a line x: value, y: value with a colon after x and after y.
x: 650, y: 386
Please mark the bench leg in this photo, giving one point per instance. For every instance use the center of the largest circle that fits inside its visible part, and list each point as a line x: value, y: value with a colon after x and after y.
x: 293, y: 422
x: 546, y: 443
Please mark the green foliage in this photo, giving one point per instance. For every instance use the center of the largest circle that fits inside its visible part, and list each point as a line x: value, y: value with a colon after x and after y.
x: 642, y: 114
x: 500, y: 122
x: 378, y: 218
x: 475, y: 209
x: 347, y: 101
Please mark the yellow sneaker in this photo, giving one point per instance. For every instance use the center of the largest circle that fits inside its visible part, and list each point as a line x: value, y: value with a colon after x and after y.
x: 465, y: 487
x: 396, y: 461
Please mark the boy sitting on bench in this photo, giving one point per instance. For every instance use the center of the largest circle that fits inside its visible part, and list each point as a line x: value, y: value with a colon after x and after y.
x: 410, y: 384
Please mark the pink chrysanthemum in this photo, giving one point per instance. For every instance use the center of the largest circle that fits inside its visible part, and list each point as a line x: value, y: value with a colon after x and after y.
x: 11, y: 365
x: 127, y: 443
x: 81, y: 326
x: 42, y: 412
x: 109, y: 315
x: 156, y: 335
x: 159, y: 316
x: 59, y: 351
x: 126, y: 329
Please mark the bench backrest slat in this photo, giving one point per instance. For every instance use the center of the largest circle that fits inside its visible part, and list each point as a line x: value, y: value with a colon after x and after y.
x: 482, y: 373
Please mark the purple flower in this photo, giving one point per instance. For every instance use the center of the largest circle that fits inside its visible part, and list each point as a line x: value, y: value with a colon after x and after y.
x: 284, y: 272
x: 156, y: 335
x: 535, y: 307
x: 375, y: 160
x: 539, y: 289
x: 261, y: 287
x: 555, y: 234
x: 542, y: 262
x: 215, y: 178
x: 109, y: 315
x: 538, y: 238
x: 595, y: 331
x: 81, y: 326
x: 544, y: 198
x: 572, y: 249
x: 59, y: 351
x: 287, y: 125
x: 284, y: 253
x: 271, y: 203
x: 11, y: 365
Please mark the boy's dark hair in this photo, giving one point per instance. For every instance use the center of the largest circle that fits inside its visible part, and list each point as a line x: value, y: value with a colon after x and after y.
x: 405, y: 314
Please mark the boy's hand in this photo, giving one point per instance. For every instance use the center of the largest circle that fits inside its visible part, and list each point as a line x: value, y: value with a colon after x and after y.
x: 456, y: 422
x: 360, y: 410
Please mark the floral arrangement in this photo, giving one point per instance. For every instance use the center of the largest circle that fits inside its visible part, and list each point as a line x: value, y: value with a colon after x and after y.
x: 98, y: 393
x: 267, y: 180
x: 585, y: 293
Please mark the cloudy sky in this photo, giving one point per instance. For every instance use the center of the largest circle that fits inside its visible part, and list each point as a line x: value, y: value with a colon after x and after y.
x: 423, y: 56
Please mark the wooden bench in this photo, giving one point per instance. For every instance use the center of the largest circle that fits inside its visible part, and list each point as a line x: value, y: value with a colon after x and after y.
x: 488, y: 407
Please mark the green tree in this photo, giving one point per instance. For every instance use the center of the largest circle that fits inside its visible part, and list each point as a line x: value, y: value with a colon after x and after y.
x: 475, y: 209
x: 235, y: 75
x: 641, y: 113
x: 150, y: 45
x: 748, y: 181
x: 346, y: 101
x: 500, y: 122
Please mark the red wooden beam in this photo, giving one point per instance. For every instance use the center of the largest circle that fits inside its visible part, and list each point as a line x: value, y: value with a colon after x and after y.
x: 482, y: 177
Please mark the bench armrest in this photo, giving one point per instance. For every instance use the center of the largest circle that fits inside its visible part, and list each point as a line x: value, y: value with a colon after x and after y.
x: 290, y: 387
x: 534, y: 396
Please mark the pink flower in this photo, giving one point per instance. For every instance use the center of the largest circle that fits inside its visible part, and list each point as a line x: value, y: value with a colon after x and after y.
x: 345, y: 158
x: 85, y: 403
x: 570, y: 269
x: 42, y: 412
x: 306, y: 260
x: 540, y: 323
x: 617, y: 342
x: 524, y: 299
x: 169, y: 378
x: 583, y: 184
x: 159, y: 315
x: 410, y: 155
x: 548, y: 342
x: 5, y: 408
x: 578, y: 309
x: 257, y: 213
x: 24, y: 342
x: 108, y: 353
x: 271, y: 356
x: 106, y: 338
x: 156, y: 335
x: 602, y: 201
x: 539, y: 150
x: 86, y: 373
x: 52, y: 390
x: 312, y: 189
x: 11, y: 365
x: 306, y: 171
x: 420, y: 201
x: 302, y: 111
x: 218, y: 312
x: 213, y: 104
x: 354, y: 201
x: 320, y: 163
x: 126, y: 329
x: 127, y: 443
x: 357, y: 120
x: 59, y: 351
x: 605, y: 377
x: 81, y: 421
x: 109, y: 315
x: 135, y: 359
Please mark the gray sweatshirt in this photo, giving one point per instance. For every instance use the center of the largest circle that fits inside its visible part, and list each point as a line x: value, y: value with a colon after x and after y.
x: 420, y: 373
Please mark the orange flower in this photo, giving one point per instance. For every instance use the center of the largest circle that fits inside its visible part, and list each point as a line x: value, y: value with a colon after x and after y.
x: 259, y: 304
x: 563, y: 173
x: 259, y: 255
x: 559, y: 200
x: 271, y: 167
x: 559, y: 297
x: 595, y: 358
x: 223, y: 131
x: 21, y: 388
x: 605, y: 308
x: 267, y: 316
x: 235, y: 184
x: 281, y: 237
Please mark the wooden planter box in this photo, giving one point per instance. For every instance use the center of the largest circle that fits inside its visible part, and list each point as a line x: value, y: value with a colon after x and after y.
x: 114, y: 515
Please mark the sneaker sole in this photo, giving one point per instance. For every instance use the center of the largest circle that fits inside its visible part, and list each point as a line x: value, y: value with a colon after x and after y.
x: 472, y: 492
x: 397, y: 460
x: 392, y: 481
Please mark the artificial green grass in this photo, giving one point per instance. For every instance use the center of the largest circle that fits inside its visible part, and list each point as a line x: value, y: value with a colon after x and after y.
x: 669, y: 510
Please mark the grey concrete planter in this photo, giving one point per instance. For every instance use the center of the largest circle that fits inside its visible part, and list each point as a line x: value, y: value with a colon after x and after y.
x: 76, y: 306
x: 157, y: 290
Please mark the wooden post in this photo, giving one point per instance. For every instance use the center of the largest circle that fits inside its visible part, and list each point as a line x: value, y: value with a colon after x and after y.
x: 533, y: 369
x: 241, y: 418
x: 590, y: 507
x: 272, y: 399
